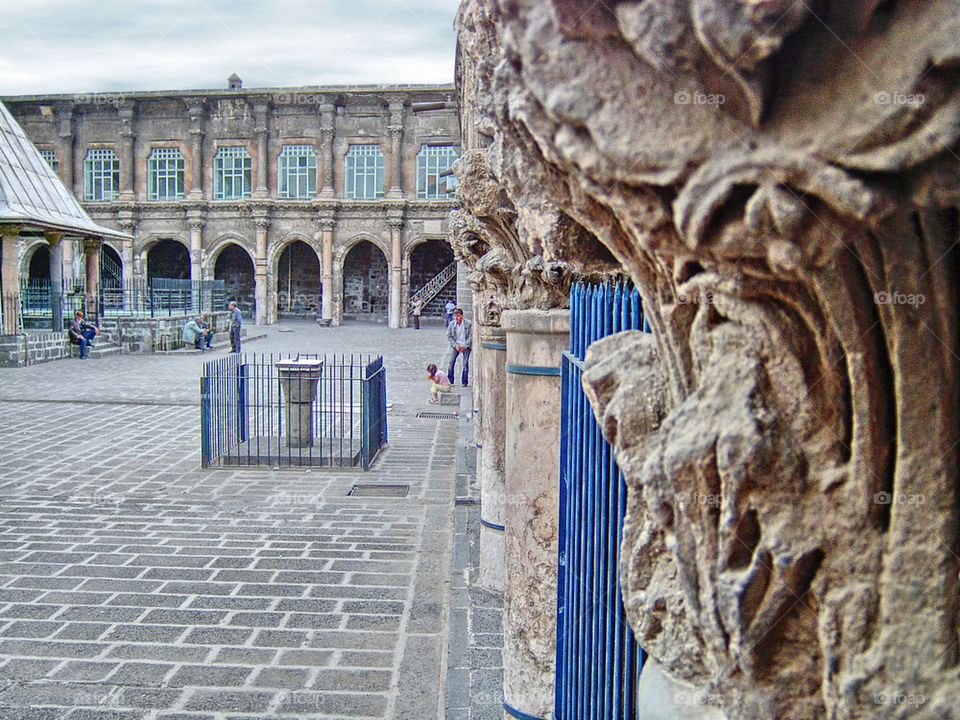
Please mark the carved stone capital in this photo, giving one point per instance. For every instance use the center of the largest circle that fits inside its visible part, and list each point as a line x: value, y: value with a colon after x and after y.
x: 779, y: 181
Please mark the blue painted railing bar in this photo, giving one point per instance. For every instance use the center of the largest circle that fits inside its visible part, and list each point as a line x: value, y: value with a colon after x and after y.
x: 598, y: 660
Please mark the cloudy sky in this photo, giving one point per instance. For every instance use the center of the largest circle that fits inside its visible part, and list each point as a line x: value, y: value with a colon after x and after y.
x: 68, y: 46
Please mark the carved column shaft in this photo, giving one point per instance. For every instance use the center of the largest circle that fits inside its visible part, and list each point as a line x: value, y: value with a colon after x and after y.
x: 196, y: 249
x: 126, y: 114
x: 91, y: 254
x: 55, y: 246
x: 326, y: 271
x: 327, y: 120
x: 491, y: 374
x: 195, y: 113
x: 535, y: 343
x: 10, y: 278
x: 396, y: 272
x: 396, y: 154
x: 263, y: 313
x: 260, y: 129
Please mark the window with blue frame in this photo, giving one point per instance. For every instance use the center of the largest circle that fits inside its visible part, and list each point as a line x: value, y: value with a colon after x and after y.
x: 364, y: 172
x: 297, y: 172
x: 231, y: 173
x: 434, y: 181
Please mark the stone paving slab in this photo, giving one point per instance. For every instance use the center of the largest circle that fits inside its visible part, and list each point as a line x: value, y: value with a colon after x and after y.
x: 134, y: 584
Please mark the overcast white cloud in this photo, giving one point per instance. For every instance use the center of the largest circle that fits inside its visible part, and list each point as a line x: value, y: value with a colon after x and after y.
x: 67, y: 46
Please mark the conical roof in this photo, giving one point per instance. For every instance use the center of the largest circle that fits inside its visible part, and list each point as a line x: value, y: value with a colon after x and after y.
x: 32, y: 195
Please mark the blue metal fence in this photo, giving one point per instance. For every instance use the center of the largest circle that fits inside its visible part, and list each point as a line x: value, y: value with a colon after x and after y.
x: 598, y: 660
x: 243, y: 418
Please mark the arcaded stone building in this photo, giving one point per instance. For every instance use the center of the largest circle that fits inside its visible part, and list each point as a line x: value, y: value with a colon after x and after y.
x: 303, y: 200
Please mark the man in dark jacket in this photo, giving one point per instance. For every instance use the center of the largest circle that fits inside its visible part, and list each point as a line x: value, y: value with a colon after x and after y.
x: 82, y: 333
x: 236, y: 321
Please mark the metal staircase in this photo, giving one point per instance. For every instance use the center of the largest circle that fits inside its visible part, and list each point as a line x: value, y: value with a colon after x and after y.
x: 437, y: 283
x: 110, y: 271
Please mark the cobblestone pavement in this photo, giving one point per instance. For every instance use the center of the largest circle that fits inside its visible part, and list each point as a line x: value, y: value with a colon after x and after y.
x: 135, y: 585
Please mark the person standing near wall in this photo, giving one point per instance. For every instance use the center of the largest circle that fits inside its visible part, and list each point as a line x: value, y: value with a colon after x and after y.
x: 460, y: 335
x: 236, y: 321
x: 417, y: 304
x: 449, y: 308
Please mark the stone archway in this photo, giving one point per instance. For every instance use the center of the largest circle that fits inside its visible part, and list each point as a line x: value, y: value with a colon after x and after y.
x: 426, y: 260
x: 366, y: 293
x: 299, y: 289
x: 38, y: 266
x: 234, y: 266
x: 168, y: 259
x: 111, y: 267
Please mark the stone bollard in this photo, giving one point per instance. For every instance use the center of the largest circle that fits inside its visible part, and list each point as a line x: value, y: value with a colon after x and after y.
x: 535, y: 343
x: 491, y: 379
x: 298, y: 382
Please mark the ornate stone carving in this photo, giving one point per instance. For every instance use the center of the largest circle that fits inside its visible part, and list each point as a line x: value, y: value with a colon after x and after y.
x: 780, y: 180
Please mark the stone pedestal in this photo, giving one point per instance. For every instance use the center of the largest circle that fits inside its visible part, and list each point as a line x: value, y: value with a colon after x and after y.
x: 491, y: 382
x: 535, y: 342
x: 298, y: 383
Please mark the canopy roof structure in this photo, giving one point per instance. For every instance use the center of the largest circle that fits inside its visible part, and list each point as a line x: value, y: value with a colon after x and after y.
x: 31, y: 194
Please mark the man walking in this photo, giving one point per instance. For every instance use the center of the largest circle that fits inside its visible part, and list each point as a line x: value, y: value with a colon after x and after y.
x: 460, y: 335
x: 236, y: 320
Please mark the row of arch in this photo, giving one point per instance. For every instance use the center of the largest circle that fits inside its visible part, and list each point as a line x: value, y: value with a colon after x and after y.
x: 294, y: 272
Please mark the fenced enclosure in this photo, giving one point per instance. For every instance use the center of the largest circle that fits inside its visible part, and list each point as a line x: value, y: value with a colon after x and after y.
x: 598, y: 660
x: 291, y: 411
x: 152, y: 297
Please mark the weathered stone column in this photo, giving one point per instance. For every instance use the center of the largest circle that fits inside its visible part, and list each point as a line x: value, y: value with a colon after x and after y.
x: 65, y: 133
x: 260, y: 130
x: 91, y: 252
x: 326, y: 270
x: 260, y: 264
x: 195, y: 113
x: 535, y: 343
x: 491, y: 374
x: 10, y: 277
x: 196, y: 223
x: 396, y: 270
x: 396, y: 154
x: 126, y: 114
x: 327, y: 115
x: 56, y: 278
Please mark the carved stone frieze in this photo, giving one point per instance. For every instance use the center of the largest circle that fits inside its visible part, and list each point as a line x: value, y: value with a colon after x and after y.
x: 780, y: 179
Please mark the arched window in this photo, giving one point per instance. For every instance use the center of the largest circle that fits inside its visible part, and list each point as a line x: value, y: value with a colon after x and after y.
x: 433, y: 162
x: 364, y: 172
x: 297, y: 172
x: 101, y: 175
x: 165, y: 174
x: 231, y: 173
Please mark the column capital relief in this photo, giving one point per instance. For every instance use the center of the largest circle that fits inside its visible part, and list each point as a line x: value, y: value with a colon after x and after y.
x: 10, y: 230
x: 261, y: 222
x: 196, y: 223
x: 327, y: 224
x: 53, y: 237
x: 92, y: 244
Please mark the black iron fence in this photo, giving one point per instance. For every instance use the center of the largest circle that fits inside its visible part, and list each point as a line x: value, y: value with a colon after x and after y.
x: 153, y: 297
x: 291, y: 411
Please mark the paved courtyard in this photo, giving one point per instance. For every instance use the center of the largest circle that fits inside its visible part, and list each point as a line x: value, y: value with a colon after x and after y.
x: 136, y: 586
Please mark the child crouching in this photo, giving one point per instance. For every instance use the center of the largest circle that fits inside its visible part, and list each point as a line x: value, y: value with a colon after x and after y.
x: 441, y: 383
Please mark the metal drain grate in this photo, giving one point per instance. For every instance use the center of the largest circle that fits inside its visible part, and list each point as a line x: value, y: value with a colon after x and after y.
x: 379, y: 490
x: 438, y: 415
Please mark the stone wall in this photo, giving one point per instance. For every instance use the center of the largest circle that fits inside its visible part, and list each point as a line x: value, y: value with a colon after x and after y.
x: 780, y: 181
x: 34, y: 347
